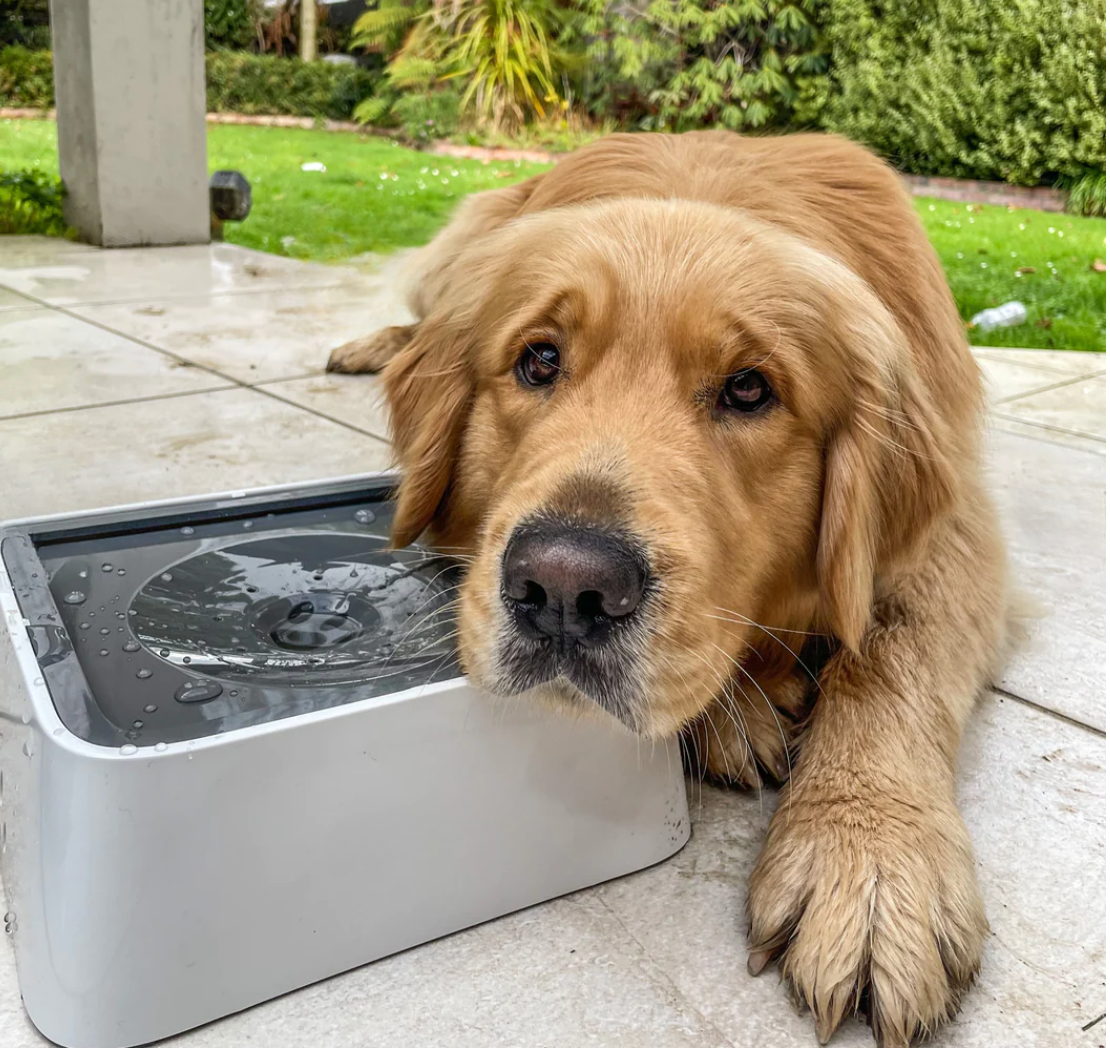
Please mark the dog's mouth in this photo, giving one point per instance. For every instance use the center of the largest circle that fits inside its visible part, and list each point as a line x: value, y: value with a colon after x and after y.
x: 607, y: 676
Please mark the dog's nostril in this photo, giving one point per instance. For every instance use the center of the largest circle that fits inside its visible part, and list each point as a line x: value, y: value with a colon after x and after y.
x: 535, y: 596
x: 589, y: 605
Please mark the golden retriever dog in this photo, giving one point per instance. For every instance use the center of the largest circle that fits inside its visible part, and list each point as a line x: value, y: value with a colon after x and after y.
x: 699, y: 416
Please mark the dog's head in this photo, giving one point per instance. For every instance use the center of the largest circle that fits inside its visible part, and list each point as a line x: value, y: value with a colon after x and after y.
x: 652, y: 428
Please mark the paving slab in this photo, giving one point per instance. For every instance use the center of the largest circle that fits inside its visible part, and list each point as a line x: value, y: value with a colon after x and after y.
x: 355, y: 400
x: 1077, y: 408
x: 52, y: 362
x: 1008, y: 380
x: 1053, y: 505
x: 257, y: 337
x: 155, y: 449
x: 70, y: 276
x: 1032, y: 792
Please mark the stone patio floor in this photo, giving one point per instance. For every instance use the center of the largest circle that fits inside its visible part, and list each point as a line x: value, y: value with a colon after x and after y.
x: 134, y: 375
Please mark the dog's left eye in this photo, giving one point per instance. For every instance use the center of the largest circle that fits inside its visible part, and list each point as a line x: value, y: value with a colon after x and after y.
x: 745, y: 391
x: 538, y: 364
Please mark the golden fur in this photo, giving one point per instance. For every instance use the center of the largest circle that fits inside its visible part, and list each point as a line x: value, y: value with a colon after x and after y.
x: 831, y: 579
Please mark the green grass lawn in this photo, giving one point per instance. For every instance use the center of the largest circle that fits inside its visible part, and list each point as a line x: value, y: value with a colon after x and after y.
x: 376, y: 196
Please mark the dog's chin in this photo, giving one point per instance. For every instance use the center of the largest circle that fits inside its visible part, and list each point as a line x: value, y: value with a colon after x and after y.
x: 583, y: 680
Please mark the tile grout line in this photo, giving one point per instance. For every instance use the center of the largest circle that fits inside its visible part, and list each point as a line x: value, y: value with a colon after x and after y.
x: 1096, y: 451
x: 1048, y: 426
x: 186, y: 297
x: 661, y: 973
x: 1006, y: 694
x: 1049, y: 388
x: 116, y: 403
x: 234, y: 382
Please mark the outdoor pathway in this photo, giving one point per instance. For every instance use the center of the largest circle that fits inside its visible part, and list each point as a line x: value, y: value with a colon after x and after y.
x: 134, y: 375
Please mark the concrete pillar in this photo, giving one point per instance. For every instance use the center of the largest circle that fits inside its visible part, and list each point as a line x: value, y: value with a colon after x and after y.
x: 129, y: 88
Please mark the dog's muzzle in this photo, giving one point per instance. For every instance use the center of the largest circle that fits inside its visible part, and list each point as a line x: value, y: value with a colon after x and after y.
x: 574, y: 595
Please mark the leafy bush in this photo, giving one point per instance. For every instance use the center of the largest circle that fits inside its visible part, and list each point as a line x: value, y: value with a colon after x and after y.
x: 424, y: 116
x: 231, y: 23
x: 31, y: 202
x: 246, y: 83
x: 26, y: 78
x: 681, y: 64
x: 499, y: 51
x: 25, y: 23
x: 994, y: 89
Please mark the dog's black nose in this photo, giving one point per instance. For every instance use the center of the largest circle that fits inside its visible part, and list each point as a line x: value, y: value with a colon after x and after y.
x: 571, y: 583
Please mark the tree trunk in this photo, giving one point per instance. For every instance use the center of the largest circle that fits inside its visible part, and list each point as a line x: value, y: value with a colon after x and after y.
x: 307, y: 35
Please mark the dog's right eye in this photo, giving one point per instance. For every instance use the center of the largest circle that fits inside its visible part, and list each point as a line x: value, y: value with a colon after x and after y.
x: 538, y: 364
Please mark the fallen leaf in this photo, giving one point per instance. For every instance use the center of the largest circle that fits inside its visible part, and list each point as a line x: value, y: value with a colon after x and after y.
x: 1027, y: 269
x: 1044, y: 322
x: 1098, y: 266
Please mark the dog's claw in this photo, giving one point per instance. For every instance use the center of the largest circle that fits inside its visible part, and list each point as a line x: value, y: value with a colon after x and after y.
x: 757, y: 961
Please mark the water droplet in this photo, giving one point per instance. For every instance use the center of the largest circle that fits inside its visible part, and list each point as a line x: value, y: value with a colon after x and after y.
x: 83, y: 573
x: 104, y: 631
x: 84, y: 625
x: 27, y: 750
x: 132, y: 611
x: 365, y: 516
x: 166, y: 577
x: 103, y: 651
x: 136, y: 724
x: 233, y: 693
x: 165, y: 653
x: 106, y: 567
x: 38, y: 682
x: 74, y: 597
x: 131, y: 645
x: 187, y: 531
x: 26, y: 718
x: 198, y: 691
x: 121, y: 571
x: 9, y: 917
x: 143, y: 674
x: 318, y: 578
x: 120, y: 615
x: 127, y: 749
x: 59, y: 731
x: 248, y: 524
x: 149, y: 708
x: 186, y: 659
x: 354, y: 574
x: 131, y: 734
x: 160, y: 747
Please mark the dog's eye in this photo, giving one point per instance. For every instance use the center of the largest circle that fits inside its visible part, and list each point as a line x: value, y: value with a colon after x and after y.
x: 538, y: 364
x: 745, y: 391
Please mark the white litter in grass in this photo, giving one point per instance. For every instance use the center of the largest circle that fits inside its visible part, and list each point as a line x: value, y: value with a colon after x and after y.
x: 313, y: 165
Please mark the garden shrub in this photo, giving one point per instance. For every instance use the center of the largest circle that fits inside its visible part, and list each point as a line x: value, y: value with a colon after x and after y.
x: 230, y: 24
x: 31, y: 203
x: 25, y: 23
x: 994, y: 89
x: 682, y: 64
x: 26, y: 78
x: 247, y: 83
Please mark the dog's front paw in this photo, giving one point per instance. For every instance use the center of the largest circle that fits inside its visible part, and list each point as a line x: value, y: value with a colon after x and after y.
x: 370, y: 354
x: 869, y: 898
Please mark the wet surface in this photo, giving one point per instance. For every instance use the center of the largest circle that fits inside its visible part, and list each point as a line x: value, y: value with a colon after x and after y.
x: 162, y: 634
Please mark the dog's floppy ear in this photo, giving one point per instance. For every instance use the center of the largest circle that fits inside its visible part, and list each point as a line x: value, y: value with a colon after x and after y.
x: 889, y: 469
x: 429, y: 388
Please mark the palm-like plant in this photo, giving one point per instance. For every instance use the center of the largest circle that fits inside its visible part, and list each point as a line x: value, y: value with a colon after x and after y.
x: 500, y: 49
